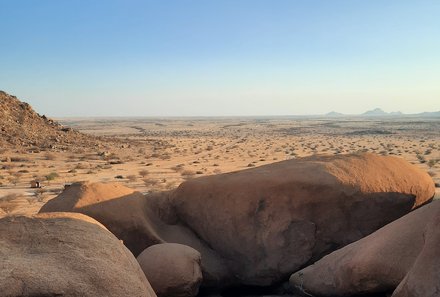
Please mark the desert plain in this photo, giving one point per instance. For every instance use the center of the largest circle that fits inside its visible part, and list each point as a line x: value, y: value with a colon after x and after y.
x: 157, y: 154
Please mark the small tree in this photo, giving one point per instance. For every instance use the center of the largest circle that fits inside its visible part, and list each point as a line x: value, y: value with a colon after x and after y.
x: 144, y: 173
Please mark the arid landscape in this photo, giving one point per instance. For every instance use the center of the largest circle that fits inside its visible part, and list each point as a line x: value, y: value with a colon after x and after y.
x: 157, y: 154
x: 225, y: 206
x: 220, y: 148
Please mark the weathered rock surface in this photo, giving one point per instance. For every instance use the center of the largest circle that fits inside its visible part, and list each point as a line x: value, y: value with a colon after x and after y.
x: 174, y: 270
x: 66, y: 254
x: 404, y: 254
x: 268, y: 221
x: 122, y: 210
x: 257, y: 226
x: 138, y: 220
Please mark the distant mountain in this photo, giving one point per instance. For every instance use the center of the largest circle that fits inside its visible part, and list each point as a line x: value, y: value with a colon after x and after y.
x: 378, y: 112
x: 375, y: 112
x: 334, y: 114
x: 429, y: 114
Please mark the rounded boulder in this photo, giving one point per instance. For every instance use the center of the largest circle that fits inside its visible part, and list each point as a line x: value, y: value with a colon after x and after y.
x: 66, y: 254
x: 173, y: 269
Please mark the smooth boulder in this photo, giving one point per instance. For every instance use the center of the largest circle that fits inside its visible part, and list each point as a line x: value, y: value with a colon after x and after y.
x: 257, y: 226
x: 403, y: 257
x: 269, y: 221
x: 122, y: 210
x: 174, y: 270
x: 139, y: 221
x: 66, y: 254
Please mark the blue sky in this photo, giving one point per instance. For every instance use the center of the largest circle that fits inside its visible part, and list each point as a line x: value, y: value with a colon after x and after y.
x: 205, y: 58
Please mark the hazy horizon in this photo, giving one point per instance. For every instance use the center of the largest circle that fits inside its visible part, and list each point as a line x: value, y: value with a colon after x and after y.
x: 221, y: 58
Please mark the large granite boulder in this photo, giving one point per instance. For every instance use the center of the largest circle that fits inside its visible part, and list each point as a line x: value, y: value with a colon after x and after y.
x: 269, y: 221
x: 403, y: 254
x: 174, y: 270
x: 257, y: 226
x: 122, y: 210
x: 66, y: 254
x: 139, y: 221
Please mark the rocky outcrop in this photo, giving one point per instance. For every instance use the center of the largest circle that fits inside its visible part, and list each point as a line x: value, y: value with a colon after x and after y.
x: 66, y: 254
x: 173, y: 269
x: 139, y: 221
x: 403, y: 254
x: 269, y: 221
x: 122, y: 210
x: 257, y: 226
x: 20, y: 125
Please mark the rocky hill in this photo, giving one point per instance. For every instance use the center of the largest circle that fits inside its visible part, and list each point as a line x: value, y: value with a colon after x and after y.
x: 21, y: 126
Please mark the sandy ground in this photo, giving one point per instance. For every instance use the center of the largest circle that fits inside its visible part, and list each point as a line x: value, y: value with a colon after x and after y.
x: 158, y: 154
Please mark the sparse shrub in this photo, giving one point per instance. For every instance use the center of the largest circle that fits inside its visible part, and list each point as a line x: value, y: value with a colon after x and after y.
x: 82, y: 166
x: 178, y: 168
x: 50, y: 156
x: 39, y: 193
x: 150, y: 182
x: 7, y: 203
x: 421, y: 158
x: 143, y: 173
x: 51, y: 176
x: 433, y: 162
x: 132, y: 178
x: 188, y: 174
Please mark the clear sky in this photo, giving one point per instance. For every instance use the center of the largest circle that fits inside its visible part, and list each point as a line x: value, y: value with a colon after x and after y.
x: 208, y: 57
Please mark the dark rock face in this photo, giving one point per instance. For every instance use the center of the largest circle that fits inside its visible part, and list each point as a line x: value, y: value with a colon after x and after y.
x: 403, y: 254
x: 66, y: 254
x: 257, y: 226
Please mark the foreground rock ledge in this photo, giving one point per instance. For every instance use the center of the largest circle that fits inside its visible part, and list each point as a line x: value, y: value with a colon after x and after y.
x: 66, y: 254
x: 257, y: 226
x: 403, y: 257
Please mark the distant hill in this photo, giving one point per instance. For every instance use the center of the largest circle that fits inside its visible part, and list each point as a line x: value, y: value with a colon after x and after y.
x: 378, y: 112
x: 429, y: 114
x: 375, y: 112
x: 21, y: 126
x: 334, y: 114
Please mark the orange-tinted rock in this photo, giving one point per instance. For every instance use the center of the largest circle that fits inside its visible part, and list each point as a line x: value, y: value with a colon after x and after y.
x: 267, y: 222
x: 122, y: 210
x: 257, y: 226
